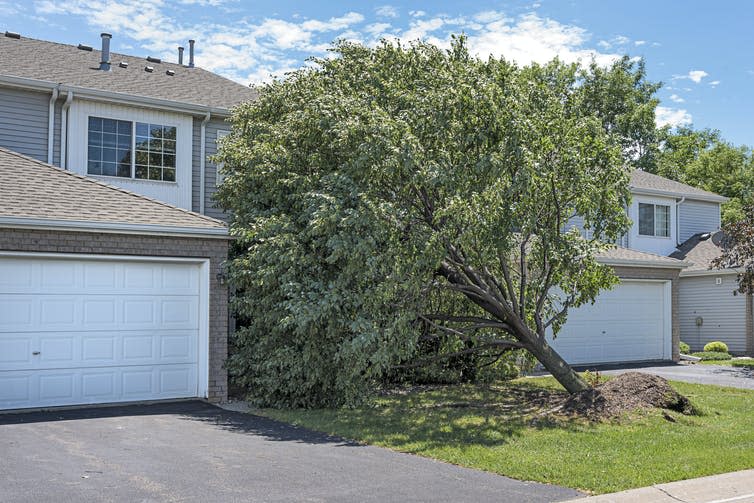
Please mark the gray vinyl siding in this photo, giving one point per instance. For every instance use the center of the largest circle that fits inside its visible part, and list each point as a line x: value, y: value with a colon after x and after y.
x: 56, y: 133
x: 23, y: 121
x: 210, y: 174
x: 723, y: 314
x: 696, y: 217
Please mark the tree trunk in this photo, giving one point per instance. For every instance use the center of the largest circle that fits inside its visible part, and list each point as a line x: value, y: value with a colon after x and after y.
x: 557, y: 366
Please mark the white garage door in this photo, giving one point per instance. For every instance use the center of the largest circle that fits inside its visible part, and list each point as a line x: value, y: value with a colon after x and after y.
x: 629, y: 323
x: 78, y: 331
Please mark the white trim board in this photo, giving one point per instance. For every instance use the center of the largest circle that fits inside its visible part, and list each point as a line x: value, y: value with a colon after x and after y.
x: 112, y: 228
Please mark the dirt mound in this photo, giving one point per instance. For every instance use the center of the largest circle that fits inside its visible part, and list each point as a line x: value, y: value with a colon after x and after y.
x: 625, y: 393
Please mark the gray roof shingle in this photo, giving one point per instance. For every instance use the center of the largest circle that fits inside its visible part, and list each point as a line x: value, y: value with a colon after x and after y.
x: 701, y: 252
x: 642, y: 180
x: 31, y: 189
x: 68, y: 65
x: 627, y: 256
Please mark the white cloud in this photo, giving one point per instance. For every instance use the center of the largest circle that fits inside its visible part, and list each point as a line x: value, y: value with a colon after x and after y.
x: 638, y: 43
x: 244, y: 50
x: 676, y: 98
x: 714, y: 83
x: 673, y: 117
x: 695, y: 76
x: 386, y: 11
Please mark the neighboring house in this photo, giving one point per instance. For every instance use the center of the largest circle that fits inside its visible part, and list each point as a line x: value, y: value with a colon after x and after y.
x: 647, y: 314
x: 111, y: 288
x: 710, y: 306
x: 141, y: 124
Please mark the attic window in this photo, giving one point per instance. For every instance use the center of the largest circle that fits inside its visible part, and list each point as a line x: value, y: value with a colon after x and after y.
x: 654, y: 220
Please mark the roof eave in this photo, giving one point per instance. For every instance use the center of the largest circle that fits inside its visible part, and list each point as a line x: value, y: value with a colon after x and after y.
x: 709, y: 272
x: 113, y: 97
x: 114, y: 227
x: 713, y: 198
x: 655, y: 264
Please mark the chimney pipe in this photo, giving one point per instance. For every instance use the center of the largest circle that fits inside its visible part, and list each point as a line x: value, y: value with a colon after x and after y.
x: 180, y: 55
x: 105, y: 63
x: 191, y: 53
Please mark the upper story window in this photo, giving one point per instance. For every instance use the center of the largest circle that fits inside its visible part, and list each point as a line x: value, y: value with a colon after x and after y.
x: 131, y: 149
x: 654, y: 220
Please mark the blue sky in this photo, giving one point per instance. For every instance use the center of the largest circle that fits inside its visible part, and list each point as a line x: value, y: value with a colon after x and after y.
x: 700, y: 50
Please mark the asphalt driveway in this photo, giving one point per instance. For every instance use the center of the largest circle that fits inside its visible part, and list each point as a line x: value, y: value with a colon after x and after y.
x: 734, y: 377
x: 195, y: 452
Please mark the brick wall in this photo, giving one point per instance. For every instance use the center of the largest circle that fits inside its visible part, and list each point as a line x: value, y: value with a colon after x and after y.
x: 216, y: 250
x: 657, y: 273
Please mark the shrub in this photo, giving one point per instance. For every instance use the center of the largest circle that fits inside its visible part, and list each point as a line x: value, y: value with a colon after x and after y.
x: 685, y: 348
x: 716, y: 347
x: 712, y: 355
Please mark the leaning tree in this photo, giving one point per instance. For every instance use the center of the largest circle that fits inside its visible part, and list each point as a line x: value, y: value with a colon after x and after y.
x: 399, y: 193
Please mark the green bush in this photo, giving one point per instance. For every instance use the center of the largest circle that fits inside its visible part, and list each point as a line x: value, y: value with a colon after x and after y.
x: 712, y: 355
x: 685, y: 348
x: 716, y: 347
x: 742, y: 363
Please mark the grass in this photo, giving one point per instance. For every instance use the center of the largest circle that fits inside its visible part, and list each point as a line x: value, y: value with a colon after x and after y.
x: 729, y: 363
x: 499, y: 436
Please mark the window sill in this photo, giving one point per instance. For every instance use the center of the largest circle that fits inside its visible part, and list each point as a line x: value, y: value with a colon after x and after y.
x: 112, y: 179
x: 645, y: 236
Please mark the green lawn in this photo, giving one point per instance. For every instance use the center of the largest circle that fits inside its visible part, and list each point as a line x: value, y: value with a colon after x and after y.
x: 491, y: 428
x: 729, y: 363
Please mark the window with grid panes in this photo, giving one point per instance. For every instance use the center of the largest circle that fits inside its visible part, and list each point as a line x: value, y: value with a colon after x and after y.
x: 131, y: 149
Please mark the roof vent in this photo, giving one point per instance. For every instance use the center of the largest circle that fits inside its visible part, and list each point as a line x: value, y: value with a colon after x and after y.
x: 105, y: 62
x: 191, y: 53
x: 123, y: 64
x: 180, y: 55
x: 85, y: 47
x: 153, y: 60
x: 149, y: 69
x: 11, y: 34
x: 170, y: 72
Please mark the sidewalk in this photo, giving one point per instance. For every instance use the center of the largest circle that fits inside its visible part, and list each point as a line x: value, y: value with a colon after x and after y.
x: 736, y: 487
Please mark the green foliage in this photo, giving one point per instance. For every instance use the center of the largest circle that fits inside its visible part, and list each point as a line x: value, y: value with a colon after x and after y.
x: 593, y: 377
x: 716, y: 347
x: 702, y: 158
x: 684, y: 348
x: 394, y: 196
x: 712, y: 355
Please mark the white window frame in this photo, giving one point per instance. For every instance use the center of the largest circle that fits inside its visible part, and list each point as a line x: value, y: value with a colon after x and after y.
x: 655, y: 232
x: 219, y: 177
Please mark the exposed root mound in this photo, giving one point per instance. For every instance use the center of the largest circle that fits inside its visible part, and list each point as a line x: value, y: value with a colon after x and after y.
x: 625, y: 393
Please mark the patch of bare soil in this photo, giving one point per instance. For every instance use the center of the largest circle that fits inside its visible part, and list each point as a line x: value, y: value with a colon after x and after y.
x: 626, y: 393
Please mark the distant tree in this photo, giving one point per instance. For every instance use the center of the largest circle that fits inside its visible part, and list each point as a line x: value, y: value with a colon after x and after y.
x: 679, y: 148
x: 401, y: 194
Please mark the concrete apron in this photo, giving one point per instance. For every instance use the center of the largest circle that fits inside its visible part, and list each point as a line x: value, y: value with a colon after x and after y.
x: 735, y: 487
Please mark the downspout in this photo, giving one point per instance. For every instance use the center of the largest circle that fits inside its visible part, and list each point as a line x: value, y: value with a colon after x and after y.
x: 64, y: 130
x: 51, y: 123
x: 678, y: 221
x: 202, y: 159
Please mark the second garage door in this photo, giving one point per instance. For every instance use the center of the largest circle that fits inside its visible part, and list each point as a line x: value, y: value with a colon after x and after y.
x: 89, y: 330
x: 632, y: 322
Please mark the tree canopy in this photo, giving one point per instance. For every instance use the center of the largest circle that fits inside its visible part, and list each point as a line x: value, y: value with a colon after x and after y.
x: 396, y: 194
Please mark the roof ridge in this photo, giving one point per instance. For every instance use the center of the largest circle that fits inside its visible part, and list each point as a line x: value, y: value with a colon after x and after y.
x: 112, y: 187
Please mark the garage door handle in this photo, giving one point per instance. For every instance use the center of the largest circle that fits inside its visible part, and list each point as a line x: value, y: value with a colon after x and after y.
x: 35, y: 353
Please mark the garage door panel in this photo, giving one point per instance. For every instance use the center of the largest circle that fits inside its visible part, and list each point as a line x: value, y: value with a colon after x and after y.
x: 627, y: 323
x: 93, y: 331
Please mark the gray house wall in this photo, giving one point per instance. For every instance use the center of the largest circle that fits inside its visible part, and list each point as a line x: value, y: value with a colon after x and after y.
x: 210, y: 173
x: 696, y: 217
x: 723, y: 314
x: 23, y: 121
